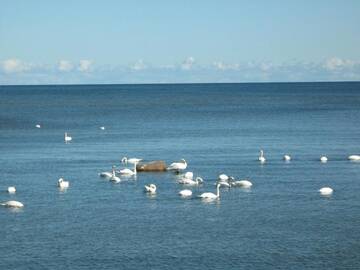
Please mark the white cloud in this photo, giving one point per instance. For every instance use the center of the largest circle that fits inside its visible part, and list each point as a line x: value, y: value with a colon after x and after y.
x: 85, y: 65
x: 336, y: 63
x: 65, y: 65
x: 222, y: 66
x: 139, y: 65
x: 266, y: 66
x: 188, y: 63
x: 14, y: 65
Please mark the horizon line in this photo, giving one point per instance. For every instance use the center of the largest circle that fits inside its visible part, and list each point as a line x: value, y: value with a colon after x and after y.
x: 177, y: 83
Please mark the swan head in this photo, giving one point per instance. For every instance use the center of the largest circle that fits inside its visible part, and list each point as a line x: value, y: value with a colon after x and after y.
x: 124, y: 160
x: 183, y: 160
x: 60, y: 180
x: 199, y: 180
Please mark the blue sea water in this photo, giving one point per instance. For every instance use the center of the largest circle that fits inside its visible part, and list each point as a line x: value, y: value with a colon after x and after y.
x: 280, y: 223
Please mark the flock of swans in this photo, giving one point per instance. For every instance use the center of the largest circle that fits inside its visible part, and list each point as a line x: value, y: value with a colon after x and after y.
x: 186, y: 179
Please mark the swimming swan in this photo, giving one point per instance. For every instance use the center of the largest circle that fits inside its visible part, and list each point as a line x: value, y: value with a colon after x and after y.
x: 223, y: 177
x: 11, y: 190
x: 14, y: 204
x: 326, y: 191
x: 287, y: 158
x: 113, y: 177
x: 62, y: 183
x: 127, y: 171
x: 107, y: 174
x: 190, y: 182
x: 262, y: 158
x: 67, y: 138
x: 126, y: 160
x: 150, y: 189
x: 189, y: 175
x: 211, y: 196
x: 241, y: 183
x: 185, y: 193
x: 178, y: 166
x: 323, y: 159
x: 38, y: 126
x: 354, y: 157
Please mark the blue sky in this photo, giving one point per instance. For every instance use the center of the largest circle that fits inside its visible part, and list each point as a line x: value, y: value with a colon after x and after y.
x: 44, y: 42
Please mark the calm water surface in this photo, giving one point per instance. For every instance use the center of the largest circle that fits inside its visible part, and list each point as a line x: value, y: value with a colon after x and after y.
x: 281, y: 223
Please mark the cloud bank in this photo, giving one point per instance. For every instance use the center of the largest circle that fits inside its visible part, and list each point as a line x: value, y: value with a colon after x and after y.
x: 15, y: 71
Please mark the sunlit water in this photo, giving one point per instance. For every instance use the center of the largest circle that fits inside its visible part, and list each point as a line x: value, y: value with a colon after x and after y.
x: 280, y: 223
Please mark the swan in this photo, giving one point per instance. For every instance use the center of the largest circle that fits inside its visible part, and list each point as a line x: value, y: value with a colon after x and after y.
x: 14, y: 204
x: 178, y: 166
x: 185, y: 193
x: 223, y: 184
x: 189, y: 175
x: 287, y: 157
x: 323, y: 159
x: 354, y: 157
x: 211, y: 196
x: 128, y: 171
x: 105, y: 174
x: 11, y: 190
x: 126, y: 160
x: 114, y: 178
x: 62, y: 183
x: 38, y: 126
x: 190, y: 182
x: 326, y: 191
x: 102, y: 128
x: 262, y: 158
x: 223, y: 177
x: 241, y: 183
x: 67, y: 138
x: 150, y: 189
x: 108, y: 174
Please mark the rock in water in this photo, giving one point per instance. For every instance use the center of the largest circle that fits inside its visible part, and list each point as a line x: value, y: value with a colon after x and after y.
x: 153, y: 166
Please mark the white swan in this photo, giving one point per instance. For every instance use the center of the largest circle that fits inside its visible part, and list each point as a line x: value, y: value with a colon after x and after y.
x: 126, y: 160
x: 223, y: 177
x: 326, y: 191
x: 178, y: 166
x: 150, y: 189
x: 262, y: 158
x: 211, y: 196
x: 108, y: 174
x: 127, y: 171
x: 190, y: 182
x: 62, y: 183
x: 223, y: 184
x: 189, y: 175
x: 287, y: 157
x: 323, y: 159
x: 113, y: 177
x: 11, y: 190
x: 14, y: 204
x: 354, y: 157
x: 185, y: 193
x: 38, y: 126
x: 67, y: 138
x: 105, y: 174
x: 102, y: 128
x: 241, y: 183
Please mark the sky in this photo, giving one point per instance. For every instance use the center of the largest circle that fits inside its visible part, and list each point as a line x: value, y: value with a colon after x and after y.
x: 203, y: 41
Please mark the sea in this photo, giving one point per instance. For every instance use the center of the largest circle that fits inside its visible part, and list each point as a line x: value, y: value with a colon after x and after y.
x: 281, y: 222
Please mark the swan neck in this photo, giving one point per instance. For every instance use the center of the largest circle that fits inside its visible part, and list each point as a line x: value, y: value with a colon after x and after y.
x: 218, y: 191
x: 135, y: 168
